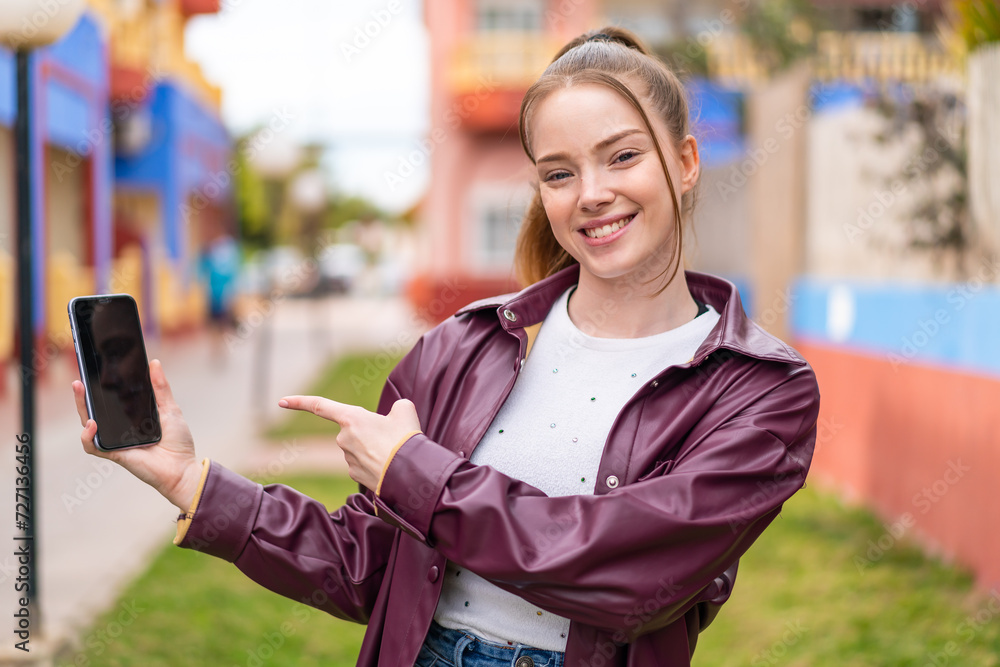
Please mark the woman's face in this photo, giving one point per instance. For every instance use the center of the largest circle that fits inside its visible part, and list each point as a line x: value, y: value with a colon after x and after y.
x: 602, y: 184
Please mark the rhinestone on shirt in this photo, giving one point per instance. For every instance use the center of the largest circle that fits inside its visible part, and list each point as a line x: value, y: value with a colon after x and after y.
x: 552, y: 425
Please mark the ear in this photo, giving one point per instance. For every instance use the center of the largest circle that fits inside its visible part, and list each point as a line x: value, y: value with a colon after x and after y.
x: 690, y: 163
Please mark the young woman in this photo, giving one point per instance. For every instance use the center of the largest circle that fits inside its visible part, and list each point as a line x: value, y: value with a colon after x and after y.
x: 563, y: 476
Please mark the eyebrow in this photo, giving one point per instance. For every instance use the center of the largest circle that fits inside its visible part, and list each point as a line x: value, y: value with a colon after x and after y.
x: 603, y: 143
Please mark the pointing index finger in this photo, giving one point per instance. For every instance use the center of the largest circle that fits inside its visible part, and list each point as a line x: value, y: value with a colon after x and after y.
x: 319, y: 406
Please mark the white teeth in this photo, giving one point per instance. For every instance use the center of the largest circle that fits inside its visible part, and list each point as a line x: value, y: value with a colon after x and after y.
x: 601, y: 232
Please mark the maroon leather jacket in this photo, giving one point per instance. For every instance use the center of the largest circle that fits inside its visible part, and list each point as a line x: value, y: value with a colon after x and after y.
x: 697, y: 464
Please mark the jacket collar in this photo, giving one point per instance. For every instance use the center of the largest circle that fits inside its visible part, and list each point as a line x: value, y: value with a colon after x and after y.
x: 734, y: 331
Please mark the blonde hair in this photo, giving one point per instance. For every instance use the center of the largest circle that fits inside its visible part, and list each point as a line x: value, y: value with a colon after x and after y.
x: 607, y: 56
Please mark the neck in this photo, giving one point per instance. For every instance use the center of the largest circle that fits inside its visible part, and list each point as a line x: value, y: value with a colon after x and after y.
x: 629, y: 309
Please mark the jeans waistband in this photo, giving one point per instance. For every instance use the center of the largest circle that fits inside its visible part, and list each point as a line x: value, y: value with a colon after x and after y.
x: 460, y: 646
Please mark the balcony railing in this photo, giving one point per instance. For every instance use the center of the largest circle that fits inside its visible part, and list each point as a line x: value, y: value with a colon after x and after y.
x: 881, y: 56
x: 846, y: 56
x: 511, y: 60
x: 490, y: 73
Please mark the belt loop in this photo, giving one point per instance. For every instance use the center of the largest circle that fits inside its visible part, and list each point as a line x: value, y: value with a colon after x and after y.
x: 460, y: 646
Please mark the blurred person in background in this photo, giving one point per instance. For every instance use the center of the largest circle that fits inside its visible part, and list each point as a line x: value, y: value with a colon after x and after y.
x: 220, y: 267
x: 563, y: 476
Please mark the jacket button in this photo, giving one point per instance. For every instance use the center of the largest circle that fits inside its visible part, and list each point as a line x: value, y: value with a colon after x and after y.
x: 612, y: 482
x: 524, y: 661
x: 510, y: 315
x: 432, y: 574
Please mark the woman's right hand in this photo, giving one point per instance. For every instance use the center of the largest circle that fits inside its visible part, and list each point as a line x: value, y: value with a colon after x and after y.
x: 169, y: 466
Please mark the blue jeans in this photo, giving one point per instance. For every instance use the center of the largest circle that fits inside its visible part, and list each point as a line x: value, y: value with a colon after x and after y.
x: 444, y: 647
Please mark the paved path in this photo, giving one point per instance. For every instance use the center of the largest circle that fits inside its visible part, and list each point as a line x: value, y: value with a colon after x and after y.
x: 100, y: 527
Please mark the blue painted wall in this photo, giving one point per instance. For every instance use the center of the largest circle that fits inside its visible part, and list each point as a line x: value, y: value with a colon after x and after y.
x: 179, y: 124
x: 717, y: 119
x: 952, y: 324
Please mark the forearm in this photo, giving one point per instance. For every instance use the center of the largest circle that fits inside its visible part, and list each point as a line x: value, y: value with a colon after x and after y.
x: 288, y: 543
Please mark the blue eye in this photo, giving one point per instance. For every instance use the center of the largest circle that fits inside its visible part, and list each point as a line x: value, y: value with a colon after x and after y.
x: 625, y: 157
x: 557, y: 176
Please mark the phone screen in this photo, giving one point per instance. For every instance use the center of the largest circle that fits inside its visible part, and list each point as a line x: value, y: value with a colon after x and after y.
x: 115, y: 370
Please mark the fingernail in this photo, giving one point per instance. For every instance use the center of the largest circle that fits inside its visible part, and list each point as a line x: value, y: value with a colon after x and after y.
x: 282, y: 403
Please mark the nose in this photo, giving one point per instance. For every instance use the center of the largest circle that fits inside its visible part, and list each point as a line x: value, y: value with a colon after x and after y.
x: 594, y: 191
x: 110, y: 376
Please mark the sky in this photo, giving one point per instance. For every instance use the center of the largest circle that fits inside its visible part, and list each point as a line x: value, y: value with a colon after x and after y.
x: 353, y: 76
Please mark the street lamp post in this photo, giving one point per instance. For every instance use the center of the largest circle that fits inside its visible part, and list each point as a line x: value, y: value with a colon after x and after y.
x: 309, y: 196
x: 26, y: 25
x: 275, y: 160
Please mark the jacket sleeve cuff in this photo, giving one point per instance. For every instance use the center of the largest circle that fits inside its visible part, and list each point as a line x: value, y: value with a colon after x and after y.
x: 182, y: 524
x: 412, y: 484
x: 378, y: 489
x: 226, y: 511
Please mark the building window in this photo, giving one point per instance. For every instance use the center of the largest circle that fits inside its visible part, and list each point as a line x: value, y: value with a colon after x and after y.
x: 509, y: 17
x: 496, y: 217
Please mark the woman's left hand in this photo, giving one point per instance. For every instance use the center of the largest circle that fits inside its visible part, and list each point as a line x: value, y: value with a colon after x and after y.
x: 367, y: 438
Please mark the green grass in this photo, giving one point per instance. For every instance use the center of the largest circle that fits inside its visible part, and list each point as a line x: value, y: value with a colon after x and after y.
x: 193, y: 610
x: 800, y: 600
x: 355, y: 378
x: 809, y: 594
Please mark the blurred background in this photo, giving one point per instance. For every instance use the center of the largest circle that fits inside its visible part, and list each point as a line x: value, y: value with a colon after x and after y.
x: 288, y: 186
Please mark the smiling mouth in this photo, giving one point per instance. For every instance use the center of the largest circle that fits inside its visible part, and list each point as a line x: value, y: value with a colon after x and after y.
x: 606, y: 230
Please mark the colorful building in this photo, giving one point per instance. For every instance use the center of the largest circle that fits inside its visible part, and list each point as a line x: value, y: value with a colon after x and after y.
x: 129, y: 176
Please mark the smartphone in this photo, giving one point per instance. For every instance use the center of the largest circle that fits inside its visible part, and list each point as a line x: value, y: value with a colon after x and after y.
x: 114, y: 370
